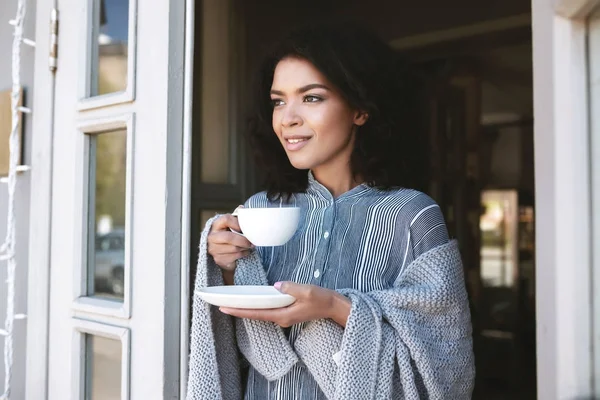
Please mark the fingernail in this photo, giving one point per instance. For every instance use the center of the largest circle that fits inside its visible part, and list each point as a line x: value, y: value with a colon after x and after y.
x: 223, y: 311
x: 277, y: 285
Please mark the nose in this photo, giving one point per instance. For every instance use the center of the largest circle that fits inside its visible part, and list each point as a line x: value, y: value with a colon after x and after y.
x: 291, y: 117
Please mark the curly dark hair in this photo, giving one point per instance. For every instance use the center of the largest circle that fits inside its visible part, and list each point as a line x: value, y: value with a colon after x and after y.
x: 388, y: 149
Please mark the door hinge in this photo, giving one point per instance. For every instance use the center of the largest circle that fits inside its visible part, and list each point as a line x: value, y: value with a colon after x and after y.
x: 52, y: 57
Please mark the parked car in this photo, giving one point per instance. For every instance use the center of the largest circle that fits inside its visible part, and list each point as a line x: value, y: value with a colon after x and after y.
x: 109, y: 263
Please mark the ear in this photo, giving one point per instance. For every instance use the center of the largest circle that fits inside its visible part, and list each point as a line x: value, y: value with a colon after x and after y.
x: 360, y: 118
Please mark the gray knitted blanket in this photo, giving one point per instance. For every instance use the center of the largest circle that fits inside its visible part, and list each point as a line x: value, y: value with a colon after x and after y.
x: 412, y: 341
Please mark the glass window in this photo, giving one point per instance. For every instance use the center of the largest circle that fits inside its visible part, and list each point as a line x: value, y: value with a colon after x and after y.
x: 102, y: 368
x: 108, y: 161
x: 108, y: 67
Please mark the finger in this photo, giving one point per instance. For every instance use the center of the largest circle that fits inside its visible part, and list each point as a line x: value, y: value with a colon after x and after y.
x: 234, y: 224
x: 291, y: 288
x: 226, y: 237
x: 219, y: 249
x: 246, y: 313
x: 228, y: 261
x: 229, y: 222
x: 272, y: 315
x: 225, y: 222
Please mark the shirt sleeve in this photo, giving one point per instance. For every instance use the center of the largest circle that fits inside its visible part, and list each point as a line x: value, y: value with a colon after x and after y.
x: 428, y: 230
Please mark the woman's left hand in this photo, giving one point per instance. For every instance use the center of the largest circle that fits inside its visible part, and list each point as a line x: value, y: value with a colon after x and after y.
x: 312, y: 303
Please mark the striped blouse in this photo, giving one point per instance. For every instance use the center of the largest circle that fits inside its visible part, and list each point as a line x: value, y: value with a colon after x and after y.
x: 361, y: 240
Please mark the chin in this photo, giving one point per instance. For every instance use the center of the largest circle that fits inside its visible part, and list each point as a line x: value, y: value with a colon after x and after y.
x: 301, y: 164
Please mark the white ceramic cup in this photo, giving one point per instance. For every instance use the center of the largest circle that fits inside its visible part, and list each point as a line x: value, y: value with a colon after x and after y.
x: 267, y: 227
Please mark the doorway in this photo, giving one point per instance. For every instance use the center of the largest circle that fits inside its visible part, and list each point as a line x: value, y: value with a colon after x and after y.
x: 479, y: 131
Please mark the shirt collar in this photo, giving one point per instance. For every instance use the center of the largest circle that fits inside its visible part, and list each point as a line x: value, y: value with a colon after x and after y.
x: 315, y: 187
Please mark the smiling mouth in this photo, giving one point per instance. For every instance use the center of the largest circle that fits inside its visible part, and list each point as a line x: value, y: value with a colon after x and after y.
x: 294, y: 141
x: 297, y: 143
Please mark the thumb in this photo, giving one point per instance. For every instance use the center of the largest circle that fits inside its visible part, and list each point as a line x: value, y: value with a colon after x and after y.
x: 290, y: 288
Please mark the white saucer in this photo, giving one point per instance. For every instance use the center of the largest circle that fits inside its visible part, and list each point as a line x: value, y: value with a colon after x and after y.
x: 249, y: 297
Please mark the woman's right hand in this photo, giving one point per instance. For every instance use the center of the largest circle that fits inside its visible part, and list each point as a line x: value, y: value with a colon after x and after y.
x: 227, y: 247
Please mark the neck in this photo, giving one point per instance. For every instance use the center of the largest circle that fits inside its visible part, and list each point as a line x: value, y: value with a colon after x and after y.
x: 336, y: 175
x: 337, y: 181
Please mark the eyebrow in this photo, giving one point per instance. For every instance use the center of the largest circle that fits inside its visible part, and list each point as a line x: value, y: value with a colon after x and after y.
x: 303, y: 89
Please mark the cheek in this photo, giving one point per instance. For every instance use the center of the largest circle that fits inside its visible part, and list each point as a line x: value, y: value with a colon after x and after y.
x: 275, y: 123
x: 335, y: 122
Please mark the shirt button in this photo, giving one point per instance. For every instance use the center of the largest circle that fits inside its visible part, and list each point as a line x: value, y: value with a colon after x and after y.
x: 317, y: 274
x: 326, y: 235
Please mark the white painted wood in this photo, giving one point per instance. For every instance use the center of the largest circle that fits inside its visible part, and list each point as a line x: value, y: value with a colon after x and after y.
x: 575, y: 9
x: 83, y: 327
x: 186, y: 214
x: 172, y: 184
x: 562, y: 205
x: 594, y: 80
x: 82, y: 253
x: 40, y: 216
x: 155, y: 204
x: 87, y: 58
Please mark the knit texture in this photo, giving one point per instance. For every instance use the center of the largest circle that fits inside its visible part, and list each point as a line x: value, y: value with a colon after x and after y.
x: 412, y: 341
x: 214, y: 362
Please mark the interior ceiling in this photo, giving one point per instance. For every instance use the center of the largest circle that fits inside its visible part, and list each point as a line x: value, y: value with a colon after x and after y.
x: 391, y: 18
x: 505, y: 65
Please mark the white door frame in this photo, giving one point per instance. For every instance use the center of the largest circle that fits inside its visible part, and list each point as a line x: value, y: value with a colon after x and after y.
x: 159, y: 116
x: 38, y: 287
x: 562, y: 164
x: 186, y: 199
x: 563, y: 204
x: 594, y: 76
x: 563, y: 200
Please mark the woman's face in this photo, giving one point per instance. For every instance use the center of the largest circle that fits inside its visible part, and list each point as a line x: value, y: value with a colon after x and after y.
x: 313, y: 122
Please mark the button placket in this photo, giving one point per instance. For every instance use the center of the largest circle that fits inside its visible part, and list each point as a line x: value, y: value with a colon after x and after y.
x: 324, y: 244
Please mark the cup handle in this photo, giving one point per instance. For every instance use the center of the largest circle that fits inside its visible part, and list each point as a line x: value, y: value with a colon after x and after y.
x: 235, y: 214
x: 236, y: 232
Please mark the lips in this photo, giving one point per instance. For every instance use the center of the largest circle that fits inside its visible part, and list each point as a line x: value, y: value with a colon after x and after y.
x: 296, y: 143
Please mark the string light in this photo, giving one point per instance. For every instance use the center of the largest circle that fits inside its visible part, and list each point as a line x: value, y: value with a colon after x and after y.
x: 7, y: 249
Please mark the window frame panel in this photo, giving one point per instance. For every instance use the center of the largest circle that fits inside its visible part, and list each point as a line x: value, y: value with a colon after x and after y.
x: 89, y: 60
x: 81, y: 328
x: 82, y: 300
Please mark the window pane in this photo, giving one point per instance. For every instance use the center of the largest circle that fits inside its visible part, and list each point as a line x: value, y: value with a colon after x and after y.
x: 215, y: 88
x: 499, y: 224
x: 102, y: 368
x: 109, y: 47
x: 108, y: 163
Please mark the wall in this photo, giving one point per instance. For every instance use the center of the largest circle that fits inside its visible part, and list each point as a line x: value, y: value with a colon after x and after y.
x: 8, y: 10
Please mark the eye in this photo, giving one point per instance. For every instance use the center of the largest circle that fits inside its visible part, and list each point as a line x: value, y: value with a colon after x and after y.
x: 276, y: 102
x: 312, y: 99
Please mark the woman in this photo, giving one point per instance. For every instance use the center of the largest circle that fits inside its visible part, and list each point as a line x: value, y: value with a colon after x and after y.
x: 335, y: 134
